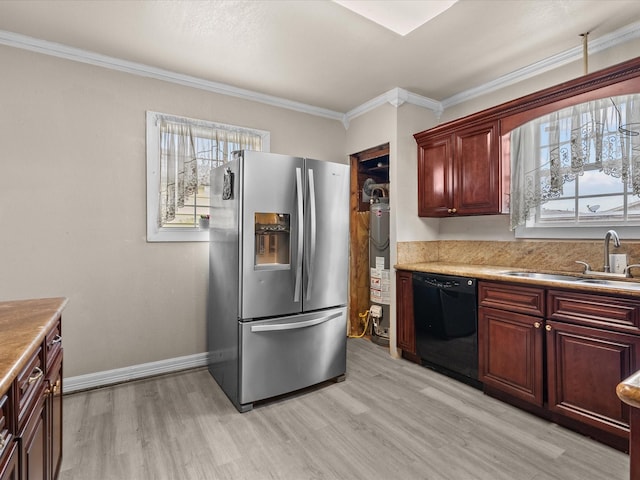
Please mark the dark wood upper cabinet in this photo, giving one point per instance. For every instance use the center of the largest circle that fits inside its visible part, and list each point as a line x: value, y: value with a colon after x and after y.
x: 463, y: 165
x: 477, y: 170
x: 459, y: 172
x: 435, y: 177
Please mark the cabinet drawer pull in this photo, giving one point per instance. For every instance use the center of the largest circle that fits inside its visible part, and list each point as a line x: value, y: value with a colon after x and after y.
x: 3, y: 442
x: 35, y: 376
x: 56, y: 339
x: 536, y: 324
x: 548, y: 328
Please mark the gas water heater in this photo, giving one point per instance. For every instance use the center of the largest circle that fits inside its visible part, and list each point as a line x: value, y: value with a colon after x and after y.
x: 380, y: 279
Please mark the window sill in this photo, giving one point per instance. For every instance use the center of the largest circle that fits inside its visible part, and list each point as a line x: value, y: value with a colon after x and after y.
x: 578, y: 233
x: 178, y: 235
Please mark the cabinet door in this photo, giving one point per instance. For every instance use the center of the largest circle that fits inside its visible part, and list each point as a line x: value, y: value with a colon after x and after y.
x: 584, y: 367
x: 404, y: 312
x: 9, y: 462
x: 54, y: 416
x: 435, y: 178
x: 33, y: 454
x: 510, y: 347
x: 477, y: 170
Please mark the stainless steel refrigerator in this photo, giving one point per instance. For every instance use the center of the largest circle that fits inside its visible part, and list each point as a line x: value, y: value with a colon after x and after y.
x: 278, y: 277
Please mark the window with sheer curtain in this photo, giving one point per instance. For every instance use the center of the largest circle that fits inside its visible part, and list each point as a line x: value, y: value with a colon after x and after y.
x: 577, y: 168
x: 180, y: 155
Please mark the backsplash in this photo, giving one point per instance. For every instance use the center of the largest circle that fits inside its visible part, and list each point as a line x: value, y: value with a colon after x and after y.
x: 540, y: 255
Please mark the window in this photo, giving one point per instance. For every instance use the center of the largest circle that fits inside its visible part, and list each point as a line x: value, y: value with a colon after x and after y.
x: 576, y: 172
x: 180, y: 155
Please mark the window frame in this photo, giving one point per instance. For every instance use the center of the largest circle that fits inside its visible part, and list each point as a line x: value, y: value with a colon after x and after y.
x: 175, y: 234
x: 573, y: 229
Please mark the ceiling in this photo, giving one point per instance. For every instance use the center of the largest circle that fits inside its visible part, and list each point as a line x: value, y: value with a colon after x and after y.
x: 318, y: 52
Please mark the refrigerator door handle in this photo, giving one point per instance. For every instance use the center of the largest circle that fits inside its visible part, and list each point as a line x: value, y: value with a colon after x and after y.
x: 313, y: 234
x: 298, y: 281
x: 294, y: 325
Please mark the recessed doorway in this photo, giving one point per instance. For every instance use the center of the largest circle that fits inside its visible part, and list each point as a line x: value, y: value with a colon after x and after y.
x: 369, y: 181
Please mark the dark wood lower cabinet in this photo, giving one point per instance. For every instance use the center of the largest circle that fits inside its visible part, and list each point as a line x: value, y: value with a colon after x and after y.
x: 33, y: 444
x: 584, y: 367
x: 31, y: 397
x: 54, y: 418
x: 560, y: 354
x: 510, y: 347
x: 406, y: 336
x: 9, y: 468
x: 39, y: 388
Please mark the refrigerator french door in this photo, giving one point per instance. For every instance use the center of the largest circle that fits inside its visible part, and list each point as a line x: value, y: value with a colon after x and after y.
x: 282, y: 223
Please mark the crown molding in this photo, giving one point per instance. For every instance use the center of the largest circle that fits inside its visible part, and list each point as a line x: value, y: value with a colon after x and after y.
x: 83, y: 56
x: 396, y: 96
x: 623, y: 35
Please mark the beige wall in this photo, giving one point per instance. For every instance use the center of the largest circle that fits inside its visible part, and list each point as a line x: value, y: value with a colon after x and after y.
x: 73, y: 204
x: 72, y: 196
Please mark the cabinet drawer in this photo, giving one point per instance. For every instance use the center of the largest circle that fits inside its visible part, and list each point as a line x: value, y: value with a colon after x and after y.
x: 29, y: 383
x: 515, y: 298
x: 9, y: 462
x: 6, y: 427
x: 53, y: 344
x: 613, y: 313
x: 285, y: 354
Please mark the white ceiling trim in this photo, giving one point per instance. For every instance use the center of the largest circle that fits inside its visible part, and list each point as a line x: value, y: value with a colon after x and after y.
x: 395, y: 97
x: 623, y: 35
x: 70, y: 53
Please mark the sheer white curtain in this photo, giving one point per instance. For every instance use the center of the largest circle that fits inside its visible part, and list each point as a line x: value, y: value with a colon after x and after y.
x: 552, y: 150
x: 189, y: 149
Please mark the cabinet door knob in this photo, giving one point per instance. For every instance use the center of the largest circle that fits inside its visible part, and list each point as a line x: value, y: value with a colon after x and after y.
x: 536, y: 324
x: 548, y: 328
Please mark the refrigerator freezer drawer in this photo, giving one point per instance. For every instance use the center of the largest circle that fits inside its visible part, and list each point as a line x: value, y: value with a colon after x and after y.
x: 285, y: 354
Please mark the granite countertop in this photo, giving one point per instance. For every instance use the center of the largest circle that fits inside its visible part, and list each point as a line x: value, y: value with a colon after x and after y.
x: 498, y: 273
x: 629, y: 390
x: 24, y: 324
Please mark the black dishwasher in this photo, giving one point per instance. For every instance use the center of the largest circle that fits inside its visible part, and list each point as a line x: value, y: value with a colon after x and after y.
x: 446, y: 324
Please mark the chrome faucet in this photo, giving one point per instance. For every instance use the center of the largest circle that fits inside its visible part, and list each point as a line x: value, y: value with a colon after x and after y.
x: 616, y: 242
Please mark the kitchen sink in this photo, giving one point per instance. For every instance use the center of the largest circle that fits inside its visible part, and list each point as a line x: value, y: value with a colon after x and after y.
x: 544, y: 276
x: 611, y: 283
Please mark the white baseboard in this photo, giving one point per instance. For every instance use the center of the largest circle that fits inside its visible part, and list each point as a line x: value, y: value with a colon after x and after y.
x: 119, y: 375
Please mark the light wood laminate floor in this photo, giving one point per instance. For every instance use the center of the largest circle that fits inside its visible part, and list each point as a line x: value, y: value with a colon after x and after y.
x: 390, y: 419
